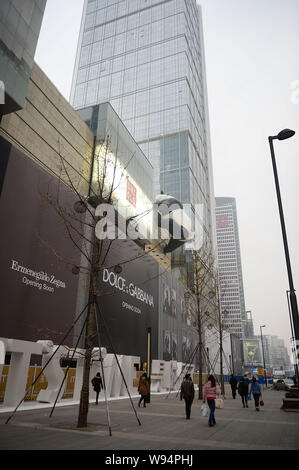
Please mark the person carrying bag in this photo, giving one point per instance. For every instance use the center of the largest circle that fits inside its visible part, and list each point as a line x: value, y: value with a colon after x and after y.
x: 255, y: 390
x: 210, y: 393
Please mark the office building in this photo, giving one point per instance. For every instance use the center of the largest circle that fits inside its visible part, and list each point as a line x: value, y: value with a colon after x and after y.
x: 248, y: 328
x: 230, y: 267
x: 20, y: 23
x: 276, y: 354
x: 147, y: 59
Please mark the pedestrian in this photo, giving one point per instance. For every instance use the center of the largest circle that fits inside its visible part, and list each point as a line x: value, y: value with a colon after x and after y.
x: 97, y: 385
x: 210, y: 392
x: 255, y: 390
x: 243, y: 388
x: 294, y: 380
x: 143, y: 389
x: 188, y: 392
x: 234, y: 384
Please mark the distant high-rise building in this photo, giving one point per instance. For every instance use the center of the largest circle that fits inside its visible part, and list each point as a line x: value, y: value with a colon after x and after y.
x: 276, y: 354
x: 230, y: 267
x: 248, y: 329
x: 147, y: 59
x: 20, y: 23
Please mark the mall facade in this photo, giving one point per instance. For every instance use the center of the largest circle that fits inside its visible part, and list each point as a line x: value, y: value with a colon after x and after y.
x: 139, y: 93
x: 41, y: 292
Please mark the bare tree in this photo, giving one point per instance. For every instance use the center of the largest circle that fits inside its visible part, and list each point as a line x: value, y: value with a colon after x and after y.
x: 204, y: 283
x: 80, y: 222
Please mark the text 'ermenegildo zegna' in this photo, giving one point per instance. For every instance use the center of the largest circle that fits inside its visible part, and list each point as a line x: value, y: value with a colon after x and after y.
x: 39, y: 276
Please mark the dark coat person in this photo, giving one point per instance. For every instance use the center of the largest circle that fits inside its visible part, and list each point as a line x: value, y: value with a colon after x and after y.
x: 187, y: 392
x: 97, y: 385
x: 143, y: 390
x: 234, y: 384
x: 243, y: 389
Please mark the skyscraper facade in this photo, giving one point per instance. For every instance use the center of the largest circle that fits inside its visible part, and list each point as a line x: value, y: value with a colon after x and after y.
x: 230, y: 267
x: 146, y: 58
x: 20, y: 23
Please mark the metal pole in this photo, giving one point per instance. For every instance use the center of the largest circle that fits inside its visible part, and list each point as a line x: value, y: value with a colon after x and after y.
x: 45, y: 366
x: 265, y: 374
x: 293, y: 299
x: 149, y: 359
x: 98, y: 311
x: 103, y: 374
x: 293, y: 339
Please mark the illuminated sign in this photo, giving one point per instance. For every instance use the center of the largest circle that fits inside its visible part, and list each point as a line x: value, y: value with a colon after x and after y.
x: 252, y: 352
x: 131, y: 193
x: 222, y: 221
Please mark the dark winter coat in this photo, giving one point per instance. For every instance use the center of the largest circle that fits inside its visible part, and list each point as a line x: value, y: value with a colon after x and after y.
x: 187, y: 390
x: 243, y: 388
x: 233, y: 382
x: 97, y: 384
x: 143, y: 387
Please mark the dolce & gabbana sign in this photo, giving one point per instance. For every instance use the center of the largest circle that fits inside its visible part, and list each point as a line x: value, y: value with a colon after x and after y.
x: 121, y: 284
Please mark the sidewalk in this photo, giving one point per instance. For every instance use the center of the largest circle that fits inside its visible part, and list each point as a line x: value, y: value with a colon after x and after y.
x: 163, y: 427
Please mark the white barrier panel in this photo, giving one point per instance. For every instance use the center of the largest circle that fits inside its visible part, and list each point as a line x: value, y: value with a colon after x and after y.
x: 53, y: 372
x: 20, y: 361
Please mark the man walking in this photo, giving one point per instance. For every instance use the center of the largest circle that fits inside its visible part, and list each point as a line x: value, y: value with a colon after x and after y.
x: 97, y: 385
x: 187, y: 392
x: 233, y: 383
x: 243, y: 391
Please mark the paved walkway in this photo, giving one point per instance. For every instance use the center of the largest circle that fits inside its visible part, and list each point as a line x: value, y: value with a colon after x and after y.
x: 163, y: 427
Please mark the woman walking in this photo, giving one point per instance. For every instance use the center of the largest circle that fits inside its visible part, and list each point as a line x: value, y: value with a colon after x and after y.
x: 243, y: 391
x: 143, y: 389
x: 255, y: 390
x: 210, y: 392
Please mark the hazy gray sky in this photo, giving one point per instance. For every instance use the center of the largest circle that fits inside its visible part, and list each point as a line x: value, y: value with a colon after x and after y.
x: 252, y: 60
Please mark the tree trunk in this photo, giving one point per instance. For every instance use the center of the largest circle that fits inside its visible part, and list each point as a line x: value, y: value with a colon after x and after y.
x: 84, y: 397
x: 200, y: 359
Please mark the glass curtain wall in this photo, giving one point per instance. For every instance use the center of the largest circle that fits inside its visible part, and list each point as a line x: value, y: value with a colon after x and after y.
x: 145, y: 57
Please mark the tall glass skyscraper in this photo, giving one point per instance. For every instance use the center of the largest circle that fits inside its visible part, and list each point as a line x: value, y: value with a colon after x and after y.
x: 146, y: 58
x: 230, y: 266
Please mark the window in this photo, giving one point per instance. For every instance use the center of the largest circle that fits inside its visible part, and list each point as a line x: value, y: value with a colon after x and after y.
x: 82, y: 75
x: 142, y: 76
x: 104, y: 88
x: 116, y: 84
x: 84, y: 59
x: 80, y: 94
x: 92, y: 91
x: 90, y: 20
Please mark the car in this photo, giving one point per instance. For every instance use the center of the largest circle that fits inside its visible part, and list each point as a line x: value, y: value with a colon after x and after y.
x: 283, y: 384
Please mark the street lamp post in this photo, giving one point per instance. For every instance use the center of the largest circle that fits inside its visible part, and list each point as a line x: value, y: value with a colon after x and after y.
x: 265, y: 373
x: 283, y: 135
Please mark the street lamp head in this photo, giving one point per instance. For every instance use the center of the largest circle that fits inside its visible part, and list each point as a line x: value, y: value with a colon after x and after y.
x: 286, y: 134
x: 263, y: 326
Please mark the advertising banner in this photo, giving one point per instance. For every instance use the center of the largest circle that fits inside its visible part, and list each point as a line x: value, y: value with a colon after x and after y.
x: 237, y: 354
x: 128, y: 300
x: 38, y: 289
x: 252, y: 352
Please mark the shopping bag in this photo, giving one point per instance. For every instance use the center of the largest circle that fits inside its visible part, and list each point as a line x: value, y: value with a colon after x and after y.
x: 249, y: 397
x: 219, y: 403
x: 204, y: 411
x: 262, y: 403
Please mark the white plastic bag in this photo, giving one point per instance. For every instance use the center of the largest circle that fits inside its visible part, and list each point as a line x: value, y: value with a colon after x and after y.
x: 204, y: 410
x: 219, y: 403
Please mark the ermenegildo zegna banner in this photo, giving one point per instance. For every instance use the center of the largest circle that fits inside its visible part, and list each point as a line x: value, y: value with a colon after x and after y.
x: 38, y: 290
